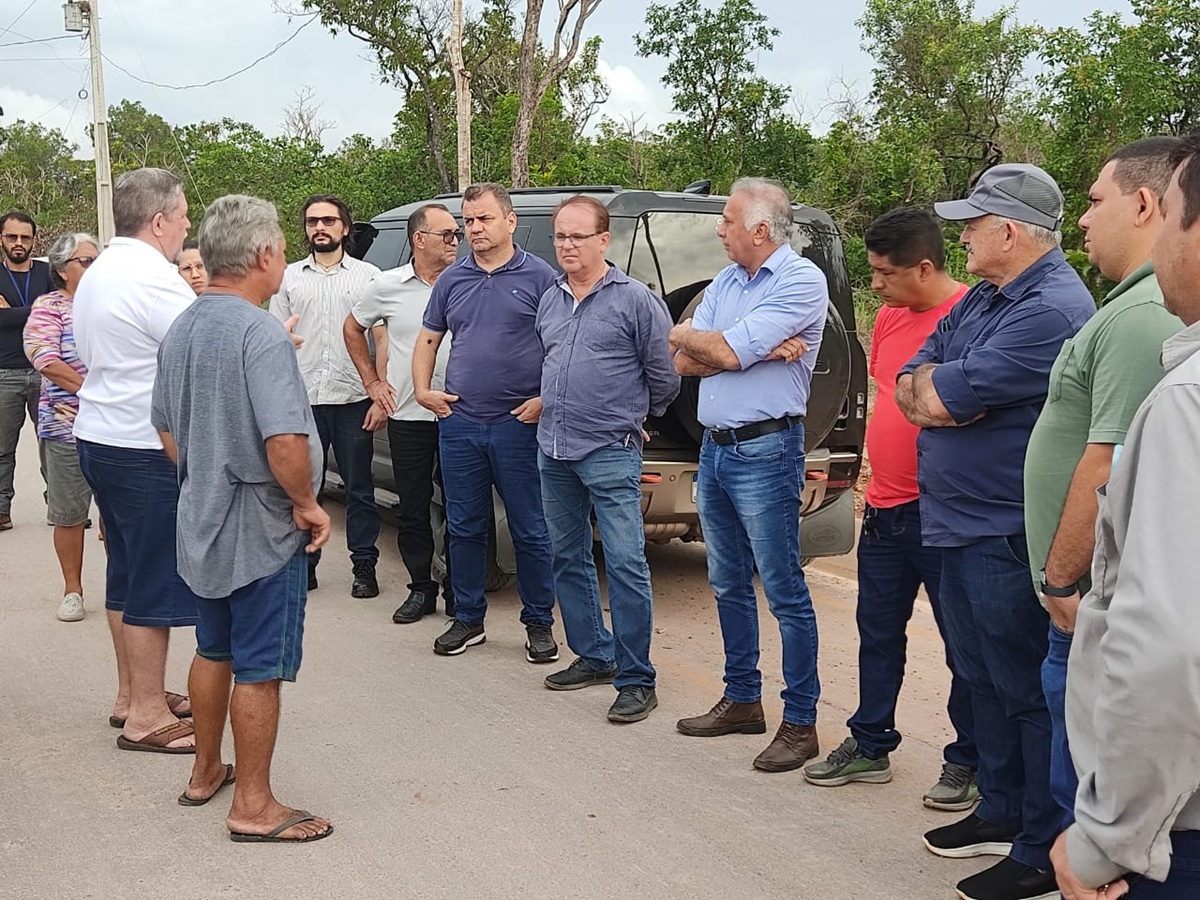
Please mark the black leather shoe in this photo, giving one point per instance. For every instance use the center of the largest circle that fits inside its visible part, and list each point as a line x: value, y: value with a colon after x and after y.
x: 365, y: 584
x: 633, y: 704
x: 414, y: 608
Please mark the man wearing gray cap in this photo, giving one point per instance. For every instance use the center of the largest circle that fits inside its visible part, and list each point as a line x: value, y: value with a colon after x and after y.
x: 976, y: 388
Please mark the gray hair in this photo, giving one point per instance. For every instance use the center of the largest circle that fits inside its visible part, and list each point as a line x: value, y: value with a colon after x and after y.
x: 235, y: 230
x: 64, y: 248
x: 141, y: 195
x: 1041, y: 237
x: 769, y: 203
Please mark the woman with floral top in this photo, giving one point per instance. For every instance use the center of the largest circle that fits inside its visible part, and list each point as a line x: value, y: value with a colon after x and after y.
x: 50, y: 346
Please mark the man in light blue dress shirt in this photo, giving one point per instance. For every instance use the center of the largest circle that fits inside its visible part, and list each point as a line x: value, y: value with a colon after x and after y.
x: 753, y: 341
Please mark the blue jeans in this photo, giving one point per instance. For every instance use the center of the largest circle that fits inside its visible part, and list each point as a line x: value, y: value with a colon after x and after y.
x: 892, y: 566
x: 1183, y: 880
x: 137, y: 493
x: 474, y: 457
x: 748, y: 495
x: 1063, y: 781
x: 339, y: 425
x: 608, y: 480
x: 996, y: 631
x: 259, y: 628
x: 19, y: 392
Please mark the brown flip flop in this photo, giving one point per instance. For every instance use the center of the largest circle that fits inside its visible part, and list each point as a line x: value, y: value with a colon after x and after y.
x: 172, y: 698
x: 273, y: 836
x: 156, y: 741
x: 230, y: 777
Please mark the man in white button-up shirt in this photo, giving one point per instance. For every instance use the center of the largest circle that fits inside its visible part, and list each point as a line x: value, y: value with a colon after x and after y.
x: 321, y: 289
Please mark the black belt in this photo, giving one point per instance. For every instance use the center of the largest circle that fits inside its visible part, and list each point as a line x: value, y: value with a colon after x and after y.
x: 726, y: 436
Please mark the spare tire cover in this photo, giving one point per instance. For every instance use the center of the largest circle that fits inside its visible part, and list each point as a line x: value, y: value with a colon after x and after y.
x: 826, y: 402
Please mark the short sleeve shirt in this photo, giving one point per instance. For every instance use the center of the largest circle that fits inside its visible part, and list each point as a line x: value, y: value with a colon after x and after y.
x: 891, y: 438
x: 50, y: 338
x: 228, y: 380
x: 1099, y: 380
x: 398, y: 297
x: 495, y: 364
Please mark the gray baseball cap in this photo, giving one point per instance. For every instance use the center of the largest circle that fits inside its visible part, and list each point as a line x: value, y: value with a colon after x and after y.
x: 1018, y: 191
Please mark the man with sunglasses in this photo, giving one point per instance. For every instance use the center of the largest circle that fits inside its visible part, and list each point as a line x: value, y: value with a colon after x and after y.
x: 22, y: 280
x: 321, y: 289
x: 398, y: 298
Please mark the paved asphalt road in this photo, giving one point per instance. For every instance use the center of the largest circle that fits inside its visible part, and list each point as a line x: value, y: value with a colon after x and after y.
x: 452, y: 777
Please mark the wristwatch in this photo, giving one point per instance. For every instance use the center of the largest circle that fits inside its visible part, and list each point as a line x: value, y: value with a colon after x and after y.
x: 1051, y: 591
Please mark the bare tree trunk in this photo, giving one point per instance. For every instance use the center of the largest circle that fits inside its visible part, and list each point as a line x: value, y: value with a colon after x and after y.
x: 530, y: 87
x: 462, y: 94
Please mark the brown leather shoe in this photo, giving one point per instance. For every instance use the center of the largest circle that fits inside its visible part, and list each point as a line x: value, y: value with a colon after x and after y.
x: 727, y: 717
x: 794, y: 745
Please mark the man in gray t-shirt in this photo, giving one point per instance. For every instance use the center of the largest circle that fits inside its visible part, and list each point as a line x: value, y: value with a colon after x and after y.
x: 233, y: 413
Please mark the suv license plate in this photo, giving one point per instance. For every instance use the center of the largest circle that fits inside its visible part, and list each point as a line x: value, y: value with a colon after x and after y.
x: 694, y: 480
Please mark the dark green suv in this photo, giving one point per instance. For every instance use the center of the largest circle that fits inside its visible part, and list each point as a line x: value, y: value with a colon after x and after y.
x: 669, y: 241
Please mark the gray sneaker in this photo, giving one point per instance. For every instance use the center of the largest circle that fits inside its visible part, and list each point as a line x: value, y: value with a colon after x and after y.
x: 955, y: 791
x: 847, y: 764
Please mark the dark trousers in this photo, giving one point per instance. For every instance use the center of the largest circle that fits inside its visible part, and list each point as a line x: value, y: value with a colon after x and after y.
x: 340, y: 426
x: 1183, y: 880
x: 996, y: 630
x: 892, y: 566
x: 415, y: 465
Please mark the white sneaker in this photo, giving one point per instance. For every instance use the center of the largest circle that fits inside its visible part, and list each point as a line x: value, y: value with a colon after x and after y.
x: 71, y: 609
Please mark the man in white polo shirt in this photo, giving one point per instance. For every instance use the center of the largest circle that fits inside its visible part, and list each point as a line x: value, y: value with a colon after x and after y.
x: 320, y: 289
x: 125, y: 303
x: 398, y: 297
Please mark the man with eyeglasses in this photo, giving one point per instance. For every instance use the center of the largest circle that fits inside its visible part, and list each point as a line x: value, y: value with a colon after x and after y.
x: 607, y: 367
x: 488, y: 415
x: 22, y: 281
x: 398, y: 298
x: 321, y: 290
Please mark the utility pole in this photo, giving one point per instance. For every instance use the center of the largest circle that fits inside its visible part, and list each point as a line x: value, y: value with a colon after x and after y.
x: 83, y: 15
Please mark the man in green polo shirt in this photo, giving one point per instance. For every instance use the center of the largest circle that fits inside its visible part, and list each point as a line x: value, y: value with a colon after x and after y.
x: 1099, y: 380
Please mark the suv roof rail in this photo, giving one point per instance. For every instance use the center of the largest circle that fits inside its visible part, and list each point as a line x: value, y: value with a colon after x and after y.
x: 553, y: 189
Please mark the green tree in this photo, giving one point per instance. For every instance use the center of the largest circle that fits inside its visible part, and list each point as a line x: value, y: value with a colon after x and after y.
x: 40, y: 176
x: 953, y: 83
x: 733, y: 120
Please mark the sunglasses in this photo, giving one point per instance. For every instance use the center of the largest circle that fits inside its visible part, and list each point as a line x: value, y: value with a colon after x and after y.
x: 84, y: 261
x: 314, y: 221
x: 448, y: 237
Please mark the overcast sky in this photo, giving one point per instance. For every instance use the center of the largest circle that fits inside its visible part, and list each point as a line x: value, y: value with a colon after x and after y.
x: 181, y: 42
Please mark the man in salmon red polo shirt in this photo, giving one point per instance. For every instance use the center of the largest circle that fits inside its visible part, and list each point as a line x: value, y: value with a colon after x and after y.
x: 907, y: 254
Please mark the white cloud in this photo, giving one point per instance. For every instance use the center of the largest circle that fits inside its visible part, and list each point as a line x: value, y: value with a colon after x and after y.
x: 70, y: 114
x: 630, y: 97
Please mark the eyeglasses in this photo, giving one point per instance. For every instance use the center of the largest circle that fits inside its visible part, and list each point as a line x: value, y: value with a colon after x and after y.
x: 314, y: 221
x: 574, y: 239
x: 84, y: 261
x: 191, y: 267
x: 18, y: 238
x: 448, y: 237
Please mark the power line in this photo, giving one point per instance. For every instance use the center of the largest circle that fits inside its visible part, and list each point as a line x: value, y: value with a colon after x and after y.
x: 61, y: 37
x: 247, y: 68
x: 13, y: 23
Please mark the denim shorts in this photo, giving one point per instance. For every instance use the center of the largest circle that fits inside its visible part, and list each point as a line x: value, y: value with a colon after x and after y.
x: 259, y: 627
x: 68, y: 497
x: 137, y: 493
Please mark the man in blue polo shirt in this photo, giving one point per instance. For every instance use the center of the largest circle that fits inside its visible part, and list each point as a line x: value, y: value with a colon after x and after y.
x: 488, y: 415
x: 976, y: 388
x: 754, y: 341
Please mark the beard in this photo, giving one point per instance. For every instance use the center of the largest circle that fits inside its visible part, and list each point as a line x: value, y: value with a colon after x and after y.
x: 324, y: 243
x: 17, y: 254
